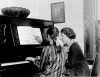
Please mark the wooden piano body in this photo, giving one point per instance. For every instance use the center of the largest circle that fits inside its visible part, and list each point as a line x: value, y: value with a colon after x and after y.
x: 12, y: 53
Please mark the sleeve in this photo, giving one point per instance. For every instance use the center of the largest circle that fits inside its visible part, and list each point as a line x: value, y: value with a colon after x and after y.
x: 71, y: 57
x: 77, y: 62
x: 81, y: 66
x: 43, y: 58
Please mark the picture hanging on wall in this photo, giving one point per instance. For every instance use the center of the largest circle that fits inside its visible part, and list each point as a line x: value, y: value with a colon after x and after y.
x: 58, y: 12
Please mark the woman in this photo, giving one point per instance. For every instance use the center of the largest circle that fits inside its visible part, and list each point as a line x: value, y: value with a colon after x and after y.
x: 51, y: 57
x: 76, y: 64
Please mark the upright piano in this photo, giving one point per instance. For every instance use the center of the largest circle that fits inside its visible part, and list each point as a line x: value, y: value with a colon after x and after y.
x: 17, y: 42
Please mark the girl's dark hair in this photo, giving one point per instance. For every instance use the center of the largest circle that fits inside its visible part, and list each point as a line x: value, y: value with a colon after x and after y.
x: 69, y: 32
x: 53, y: 32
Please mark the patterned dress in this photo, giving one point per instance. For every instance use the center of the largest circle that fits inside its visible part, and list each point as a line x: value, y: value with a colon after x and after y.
x: 52, y: 62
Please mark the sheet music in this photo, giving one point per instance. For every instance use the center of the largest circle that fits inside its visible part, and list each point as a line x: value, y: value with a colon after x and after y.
x: 27, y: 34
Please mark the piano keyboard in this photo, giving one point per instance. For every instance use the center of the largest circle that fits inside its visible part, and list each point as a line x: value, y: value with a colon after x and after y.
x: 14, y: 63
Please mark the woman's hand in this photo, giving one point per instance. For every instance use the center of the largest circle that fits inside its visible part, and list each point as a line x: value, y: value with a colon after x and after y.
x: 65, y: 52
x: 38, y: 57
x: 38, y: 39
x: 31, y: 59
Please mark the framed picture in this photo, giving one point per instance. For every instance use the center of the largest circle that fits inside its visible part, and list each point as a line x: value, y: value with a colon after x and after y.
x: 58, y: 12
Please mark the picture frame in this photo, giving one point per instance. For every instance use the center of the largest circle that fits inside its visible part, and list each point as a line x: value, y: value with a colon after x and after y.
x: 58, y: 12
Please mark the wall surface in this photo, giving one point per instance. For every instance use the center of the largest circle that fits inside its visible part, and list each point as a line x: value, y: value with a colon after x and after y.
x: 29, y: 4
x: 73, y: 16
x: 98, y: 9
x: 41, y: 9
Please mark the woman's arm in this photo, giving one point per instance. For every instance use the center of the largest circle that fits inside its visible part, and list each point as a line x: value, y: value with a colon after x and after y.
x: 77, y: 64
x: 43, y: 57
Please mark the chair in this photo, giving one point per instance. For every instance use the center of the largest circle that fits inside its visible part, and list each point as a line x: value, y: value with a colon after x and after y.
x: 96, y: 66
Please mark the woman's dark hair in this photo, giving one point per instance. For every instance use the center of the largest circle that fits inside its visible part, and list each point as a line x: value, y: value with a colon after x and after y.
x: 53, y: 32
x: 69, y: 32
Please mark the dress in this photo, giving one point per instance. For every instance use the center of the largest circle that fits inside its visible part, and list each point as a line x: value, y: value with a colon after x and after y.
x: 51, y: 62
x: 77, y: 64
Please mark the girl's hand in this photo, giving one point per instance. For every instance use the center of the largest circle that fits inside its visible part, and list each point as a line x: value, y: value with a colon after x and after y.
x: 65, y: 51
x: 38, y: 39
x: 31, y: 59
x: 38, y: 57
